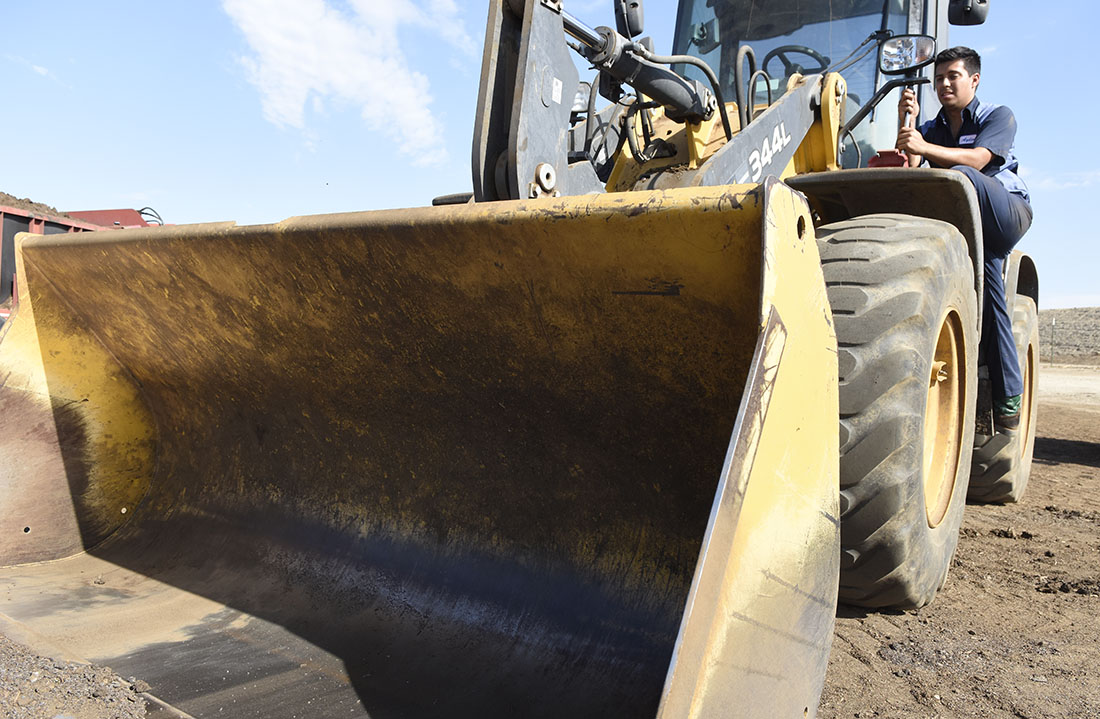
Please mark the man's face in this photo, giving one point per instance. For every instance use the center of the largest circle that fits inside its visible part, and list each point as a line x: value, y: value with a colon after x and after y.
x: 955, y: 87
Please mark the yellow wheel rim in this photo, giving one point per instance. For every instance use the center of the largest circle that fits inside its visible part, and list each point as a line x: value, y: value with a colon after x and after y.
x: 943, y: 420
x: 1025, y: 404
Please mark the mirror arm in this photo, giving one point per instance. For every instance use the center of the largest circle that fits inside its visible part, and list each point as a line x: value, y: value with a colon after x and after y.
x: 870, y: 104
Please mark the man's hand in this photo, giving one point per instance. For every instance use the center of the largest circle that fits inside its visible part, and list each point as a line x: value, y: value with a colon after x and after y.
x: 908, y: 104
x: 911, y: 142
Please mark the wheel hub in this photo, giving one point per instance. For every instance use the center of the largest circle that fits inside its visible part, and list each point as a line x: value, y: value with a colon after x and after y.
x: 943, y: 420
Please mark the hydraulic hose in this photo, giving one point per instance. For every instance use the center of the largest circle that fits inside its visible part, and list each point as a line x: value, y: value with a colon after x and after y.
x: 633, y: 64
x: 739, y: 82
x: 694, y: 62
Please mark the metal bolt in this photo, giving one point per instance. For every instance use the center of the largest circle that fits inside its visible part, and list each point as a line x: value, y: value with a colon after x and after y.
x: 545, y: 176
x: 939, y: 372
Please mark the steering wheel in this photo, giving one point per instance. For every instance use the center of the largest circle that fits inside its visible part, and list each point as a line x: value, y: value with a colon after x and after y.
x: 790, y: 68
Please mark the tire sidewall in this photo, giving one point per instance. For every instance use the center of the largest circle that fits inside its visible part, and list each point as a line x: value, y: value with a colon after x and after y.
x: 887, y: 329
x: 942, y: 540
x: 1025, y: 330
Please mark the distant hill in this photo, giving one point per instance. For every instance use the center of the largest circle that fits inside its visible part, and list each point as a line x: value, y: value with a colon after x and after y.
x: 1071, y: 336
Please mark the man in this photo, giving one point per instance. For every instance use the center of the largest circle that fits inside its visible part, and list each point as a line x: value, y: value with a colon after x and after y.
x: 976, y: 139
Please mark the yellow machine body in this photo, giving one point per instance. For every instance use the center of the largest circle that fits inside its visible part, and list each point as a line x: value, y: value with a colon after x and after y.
x: 573, y: 457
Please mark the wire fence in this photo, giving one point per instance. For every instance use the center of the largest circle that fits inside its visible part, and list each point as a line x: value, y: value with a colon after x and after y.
x: 1069, y: 334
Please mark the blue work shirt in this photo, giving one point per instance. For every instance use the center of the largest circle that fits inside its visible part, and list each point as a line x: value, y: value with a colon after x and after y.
x: 983, y: 125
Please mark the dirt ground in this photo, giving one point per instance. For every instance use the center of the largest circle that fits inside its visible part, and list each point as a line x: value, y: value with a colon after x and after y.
x: 1014, y: 633
x: 37, y: 687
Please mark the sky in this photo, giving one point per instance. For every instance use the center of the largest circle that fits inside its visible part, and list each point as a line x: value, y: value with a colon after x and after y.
x: 258, y: 110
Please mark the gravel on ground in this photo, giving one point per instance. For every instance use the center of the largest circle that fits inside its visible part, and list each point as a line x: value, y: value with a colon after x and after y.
x: 33, y: 686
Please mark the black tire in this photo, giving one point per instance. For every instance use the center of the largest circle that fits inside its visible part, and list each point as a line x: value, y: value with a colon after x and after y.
x: 1002, y: 463
x: 903, y: 300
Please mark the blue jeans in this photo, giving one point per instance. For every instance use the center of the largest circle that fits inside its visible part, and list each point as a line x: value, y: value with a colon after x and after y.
x: 1005, y: 219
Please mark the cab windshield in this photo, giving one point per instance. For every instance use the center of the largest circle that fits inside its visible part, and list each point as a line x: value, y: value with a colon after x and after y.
x: 789, y: 36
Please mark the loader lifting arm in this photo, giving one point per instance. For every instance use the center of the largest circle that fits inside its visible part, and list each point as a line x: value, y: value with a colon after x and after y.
x: 523, y: 137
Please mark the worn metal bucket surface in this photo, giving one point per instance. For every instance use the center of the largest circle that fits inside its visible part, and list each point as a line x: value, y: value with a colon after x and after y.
x: 459, y: 461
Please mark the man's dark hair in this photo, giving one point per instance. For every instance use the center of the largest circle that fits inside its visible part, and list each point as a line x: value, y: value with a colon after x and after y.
x: 971, y: 60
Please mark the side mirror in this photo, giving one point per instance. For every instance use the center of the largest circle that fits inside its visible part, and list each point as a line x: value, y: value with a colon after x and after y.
x: 629, y: 18
x: 906, y: 53
x: 967, y: 12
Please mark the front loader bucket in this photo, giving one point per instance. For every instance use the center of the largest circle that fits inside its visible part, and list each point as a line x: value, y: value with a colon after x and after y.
x: 564, y: 458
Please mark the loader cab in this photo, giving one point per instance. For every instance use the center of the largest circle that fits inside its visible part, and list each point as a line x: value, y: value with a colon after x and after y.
x: 787, y: 37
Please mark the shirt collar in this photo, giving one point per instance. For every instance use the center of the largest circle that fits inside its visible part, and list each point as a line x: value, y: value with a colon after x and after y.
x: 969, y: 112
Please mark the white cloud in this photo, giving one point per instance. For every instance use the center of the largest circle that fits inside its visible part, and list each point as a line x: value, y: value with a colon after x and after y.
x: 37, y: 69
x: 450, y: 28
x: 308, y: 51
x: 1063, y: 181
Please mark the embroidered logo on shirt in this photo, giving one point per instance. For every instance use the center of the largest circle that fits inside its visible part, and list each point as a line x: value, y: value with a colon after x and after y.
x: 967, y: 139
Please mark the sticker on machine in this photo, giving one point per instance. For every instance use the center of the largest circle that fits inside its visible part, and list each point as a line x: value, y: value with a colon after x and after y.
x: 760, y: 159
